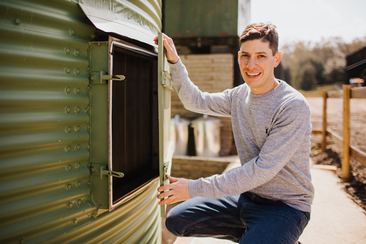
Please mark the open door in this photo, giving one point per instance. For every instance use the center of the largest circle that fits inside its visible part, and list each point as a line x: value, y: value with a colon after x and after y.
x: 129, y: 121
x: 164, y: 92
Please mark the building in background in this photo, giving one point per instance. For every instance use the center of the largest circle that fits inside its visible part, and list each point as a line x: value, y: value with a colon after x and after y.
x: 206, y: 34
x: 356, y: 67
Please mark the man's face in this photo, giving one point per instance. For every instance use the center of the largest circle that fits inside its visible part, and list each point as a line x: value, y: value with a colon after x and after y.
x: 257, y: 64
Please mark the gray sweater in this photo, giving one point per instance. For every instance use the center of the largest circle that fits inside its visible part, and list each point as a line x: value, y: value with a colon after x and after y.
x: 272, y: 136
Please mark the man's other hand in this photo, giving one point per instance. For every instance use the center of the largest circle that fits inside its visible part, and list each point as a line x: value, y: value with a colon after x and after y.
x: 176, y: 191
x: 171, y: 52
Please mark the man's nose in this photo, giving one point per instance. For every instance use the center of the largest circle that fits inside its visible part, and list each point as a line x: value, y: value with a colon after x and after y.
x: 251, y: 63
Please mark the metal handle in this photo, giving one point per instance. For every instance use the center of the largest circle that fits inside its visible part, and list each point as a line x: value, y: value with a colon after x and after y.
x: 103, y: 171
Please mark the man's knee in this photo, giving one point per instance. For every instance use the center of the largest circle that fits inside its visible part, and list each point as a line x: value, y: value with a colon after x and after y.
x: 172, y: 224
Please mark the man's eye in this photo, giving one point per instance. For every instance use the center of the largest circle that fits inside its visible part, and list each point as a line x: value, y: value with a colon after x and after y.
x: 262, y: 56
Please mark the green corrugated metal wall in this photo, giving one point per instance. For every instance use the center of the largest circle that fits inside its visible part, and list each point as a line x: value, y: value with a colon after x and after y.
x: 44, y: 139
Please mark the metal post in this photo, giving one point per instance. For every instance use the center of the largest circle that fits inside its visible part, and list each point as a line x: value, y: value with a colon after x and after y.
x: 324, y: 131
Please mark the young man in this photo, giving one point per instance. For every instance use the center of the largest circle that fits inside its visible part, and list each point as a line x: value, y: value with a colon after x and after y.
x: 268, y: 198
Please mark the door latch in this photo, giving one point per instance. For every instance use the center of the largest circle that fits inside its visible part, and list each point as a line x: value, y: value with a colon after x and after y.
x: 104, y: 171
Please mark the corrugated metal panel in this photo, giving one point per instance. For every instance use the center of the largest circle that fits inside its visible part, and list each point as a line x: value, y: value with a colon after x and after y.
x: 44, y: 139
x: 43, y: 120
x: 136, y: 221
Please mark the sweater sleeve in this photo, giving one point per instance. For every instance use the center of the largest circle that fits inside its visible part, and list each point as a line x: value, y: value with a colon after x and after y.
x: 217, y: 104
x: 289, y: 131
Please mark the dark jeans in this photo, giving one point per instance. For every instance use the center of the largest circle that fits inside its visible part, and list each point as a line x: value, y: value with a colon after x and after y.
x: 246, y: 218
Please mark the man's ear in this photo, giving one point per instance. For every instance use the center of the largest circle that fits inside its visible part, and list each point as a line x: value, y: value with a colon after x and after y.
x: 278, y: 58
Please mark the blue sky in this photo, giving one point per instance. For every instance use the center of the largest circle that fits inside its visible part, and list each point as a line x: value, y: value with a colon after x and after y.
x: 311, y: 20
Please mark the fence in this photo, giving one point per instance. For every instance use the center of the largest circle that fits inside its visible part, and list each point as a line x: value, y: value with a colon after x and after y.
x: 344, y: 142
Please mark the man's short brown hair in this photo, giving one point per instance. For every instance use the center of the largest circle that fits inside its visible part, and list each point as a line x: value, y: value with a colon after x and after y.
x: 264, y: 32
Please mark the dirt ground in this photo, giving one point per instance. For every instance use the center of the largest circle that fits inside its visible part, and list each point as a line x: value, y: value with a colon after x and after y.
x: 356, y: 185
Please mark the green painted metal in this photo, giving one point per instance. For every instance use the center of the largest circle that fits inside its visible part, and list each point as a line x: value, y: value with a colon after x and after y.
x: 47, y: 138
x: 206, y: 18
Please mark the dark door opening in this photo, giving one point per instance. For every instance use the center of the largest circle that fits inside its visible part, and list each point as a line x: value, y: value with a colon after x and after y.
x: 134, y: 121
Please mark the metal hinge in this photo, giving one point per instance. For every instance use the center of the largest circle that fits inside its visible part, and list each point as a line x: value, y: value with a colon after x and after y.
x: 167, y: 80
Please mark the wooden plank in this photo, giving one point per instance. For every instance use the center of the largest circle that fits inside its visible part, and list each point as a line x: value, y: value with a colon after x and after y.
x: 358, y: 155
x: 358, y: 92
x: 355, y: 153
x: 346, y: 131
x: 336, y: 138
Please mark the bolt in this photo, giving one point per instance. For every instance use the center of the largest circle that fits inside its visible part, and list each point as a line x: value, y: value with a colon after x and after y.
x: 77, y: 52
x: 67, y: 109
x: 78, y: 184
x: 88, y: 147
x: 67, y: 89
x: 77, y: 109
x: 17, y: 21
x: 72, y: 32
x: 77, y: 128
x: 68, y: 186
x: 68, y: 128
x: 67, y: 50
x: 68, y: 167
x: 75, y: 221
x: 69, y: 205
x: 77, y: 147
x: 77, y: 166
x: 77, y: 90
x: 77, y: 71
x: 92, y: 169
x: 78, y: 202
x: 67, y: 148
x: 67, y: 70
x: 92, y: 77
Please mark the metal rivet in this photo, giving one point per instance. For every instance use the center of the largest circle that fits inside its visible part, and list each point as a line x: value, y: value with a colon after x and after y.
x: 67, y: 70
x: 75, y: 221
x: 88, y: 147
x: 77, y: 128
x: 92, y: 169
x: 77, y: 147
x: 17, y: 21
x: 68, y: 167
x: 77, y: 166
x: 68, y: 148
x: 77, y: 52
x: 67, y: 109
x: 67, y: 89
x: 69, y: 205
x: 68, y: 128
x: 72, y: 32
x: 68, y: 186
x: 92, y: 77
x: 78, y: 184
x: 67, y: 50
x: 77, y: 71
x: 77, y: 109
x: 78, y: 202
x: 77, y: 90
x: 22, y: 241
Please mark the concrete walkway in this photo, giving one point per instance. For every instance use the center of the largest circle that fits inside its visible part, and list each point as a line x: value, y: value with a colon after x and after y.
x: 335, y: 218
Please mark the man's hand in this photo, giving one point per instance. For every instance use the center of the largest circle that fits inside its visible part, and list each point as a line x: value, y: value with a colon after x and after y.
x: 176, y: 191
x: 171, y: 52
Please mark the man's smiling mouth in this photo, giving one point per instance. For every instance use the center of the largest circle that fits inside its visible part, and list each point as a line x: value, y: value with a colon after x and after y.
x: 253, y: 74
